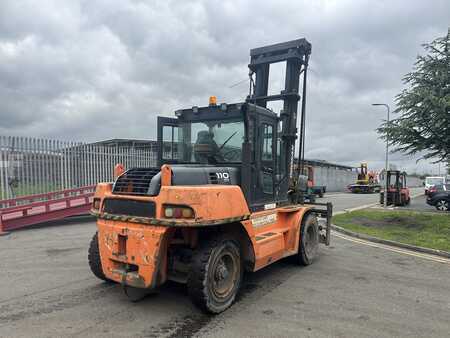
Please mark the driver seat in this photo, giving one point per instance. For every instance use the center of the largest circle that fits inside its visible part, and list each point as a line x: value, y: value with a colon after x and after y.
x: 204, y: 146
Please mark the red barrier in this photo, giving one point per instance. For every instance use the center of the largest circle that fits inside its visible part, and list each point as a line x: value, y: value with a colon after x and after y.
x: 28, y: 210
x: 2, y: 232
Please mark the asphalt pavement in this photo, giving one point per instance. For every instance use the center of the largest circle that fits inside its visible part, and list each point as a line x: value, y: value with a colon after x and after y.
x: 348, y: 201
x: 419, y: 204
x: 354, y: 289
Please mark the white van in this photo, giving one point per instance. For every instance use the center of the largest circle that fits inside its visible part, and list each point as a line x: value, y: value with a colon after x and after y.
x: 433, y: 180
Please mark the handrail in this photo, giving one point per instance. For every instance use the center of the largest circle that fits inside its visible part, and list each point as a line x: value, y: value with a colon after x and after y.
x: 12, y: 202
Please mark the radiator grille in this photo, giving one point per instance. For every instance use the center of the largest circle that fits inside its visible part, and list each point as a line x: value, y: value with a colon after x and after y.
x: 213, y: 178
x: 129, y: 207
x: 134, y: 181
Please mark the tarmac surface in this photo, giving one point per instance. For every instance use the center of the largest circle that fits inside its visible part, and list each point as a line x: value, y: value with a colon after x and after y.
x: 419, y: 204
x: 354, y: 289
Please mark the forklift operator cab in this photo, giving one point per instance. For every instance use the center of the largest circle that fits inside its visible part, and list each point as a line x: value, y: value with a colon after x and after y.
x: 216, y: 135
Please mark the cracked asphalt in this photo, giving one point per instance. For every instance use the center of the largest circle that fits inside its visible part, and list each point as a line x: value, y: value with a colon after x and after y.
x: 352, y: 290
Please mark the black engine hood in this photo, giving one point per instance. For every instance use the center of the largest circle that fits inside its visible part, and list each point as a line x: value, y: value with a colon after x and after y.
x: 147, y: 181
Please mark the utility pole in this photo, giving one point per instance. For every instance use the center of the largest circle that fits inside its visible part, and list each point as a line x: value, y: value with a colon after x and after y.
x: 387, y: 153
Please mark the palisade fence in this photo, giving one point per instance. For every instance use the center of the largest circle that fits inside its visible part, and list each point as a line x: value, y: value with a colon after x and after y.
x: 31, y: 166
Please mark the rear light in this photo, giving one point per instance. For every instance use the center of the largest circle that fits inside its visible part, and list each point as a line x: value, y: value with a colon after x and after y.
x: 96, y: 204
x: 178, y: 212
x: 168, y: 212
x: 187, y: 213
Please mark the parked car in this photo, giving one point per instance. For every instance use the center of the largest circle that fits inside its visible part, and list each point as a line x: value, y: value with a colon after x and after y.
x: 432, y: 181
x: 438, y: 188
x: 440, y: 200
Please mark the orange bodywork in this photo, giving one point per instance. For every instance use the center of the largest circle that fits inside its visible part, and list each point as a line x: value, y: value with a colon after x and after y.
x: 134, y: 250
x: 277, y: 239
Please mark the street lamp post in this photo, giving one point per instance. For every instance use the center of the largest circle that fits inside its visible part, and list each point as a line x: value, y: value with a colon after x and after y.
x: 387, y: 154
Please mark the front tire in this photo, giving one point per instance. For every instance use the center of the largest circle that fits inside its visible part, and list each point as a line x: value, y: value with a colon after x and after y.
x: 215, y: 275
x: 442, y: 205
x: 94, y: 258
x: 309, y: 240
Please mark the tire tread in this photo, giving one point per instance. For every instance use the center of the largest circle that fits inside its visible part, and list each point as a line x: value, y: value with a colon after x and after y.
x: 301, y: 256
x: 197, y: 277
x: 94, y: 258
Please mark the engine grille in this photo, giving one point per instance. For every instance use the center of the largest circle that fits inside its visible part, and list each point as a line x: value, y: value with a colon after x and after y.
x: 129, y: 207
x: 135, y: 181
x: 213, y: 178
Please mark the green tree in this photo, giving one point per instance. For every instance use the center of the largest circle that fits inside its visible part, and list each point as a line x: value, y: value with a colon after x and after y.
x: 423, y: 125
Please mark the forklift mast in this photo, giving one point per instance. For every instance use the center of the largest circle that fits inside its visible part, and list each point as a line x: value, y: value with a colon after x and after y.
x: 296, y: 54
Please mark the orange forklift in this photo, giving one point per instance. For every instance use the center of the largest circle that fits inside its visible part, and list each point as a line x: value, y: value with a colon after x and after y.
x: 398, y: 193
x: 222, y: 200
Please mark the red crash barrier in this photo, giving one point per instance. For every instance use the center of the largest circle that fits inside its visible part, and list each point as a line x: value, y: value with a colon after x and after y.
x: 24, y: 211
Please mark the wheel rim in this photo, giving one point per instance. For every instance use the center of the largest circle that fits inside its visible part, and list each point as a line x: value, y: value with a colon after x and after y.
x: 310, y: 242
x: 224, y: 275
x: 442, y: 205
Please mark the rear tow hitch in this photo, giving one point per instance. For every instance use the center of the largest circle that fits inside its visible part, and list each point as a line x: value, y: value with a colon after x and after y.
x: 136, y: 294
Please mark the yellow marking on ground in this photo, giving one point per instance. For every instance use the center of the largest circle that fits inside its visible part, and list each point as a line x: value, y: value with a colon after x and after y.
x: 394, y: 249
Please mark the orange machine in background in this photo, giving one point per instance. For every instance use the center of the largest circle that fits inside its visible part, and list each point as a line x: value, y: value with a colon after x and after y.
x: 367, y: 181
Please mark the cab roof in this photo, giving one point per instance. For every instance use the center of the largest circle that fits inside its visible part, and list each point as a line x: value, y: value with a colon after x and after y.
x: 221, y: 111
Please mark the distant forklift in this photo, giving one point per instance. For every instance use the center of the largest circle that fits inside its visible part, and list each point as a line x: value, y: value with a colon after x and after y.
x: 398, y: 192
x: 313, y: 189
x: 307, y: 184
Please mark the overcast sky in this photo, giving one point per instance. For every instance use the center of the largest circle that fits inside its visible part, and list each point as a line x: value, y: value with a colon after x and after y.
x: 90, y: 70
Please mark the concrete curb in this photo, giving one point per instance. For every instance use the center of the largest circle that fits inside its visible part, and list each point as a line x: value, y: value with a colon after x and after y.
x: 440, y: 253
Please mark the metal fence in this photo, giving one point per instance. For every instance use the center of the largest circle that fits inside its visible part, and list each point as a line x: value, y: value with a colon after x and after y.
x: 33, y: 165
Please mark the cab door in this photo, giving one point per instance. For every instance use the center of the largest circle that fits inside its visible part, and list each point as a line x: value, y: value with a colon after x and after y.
x: 266, y: 161
x: 168, y: 143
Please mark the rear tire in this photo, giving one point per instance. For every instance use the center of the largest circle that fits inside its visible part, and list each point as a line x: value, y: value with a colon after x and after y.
x: 309, y: 240
x: 94, y: 259
x: 443, y: 205
x: 215, y: 275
